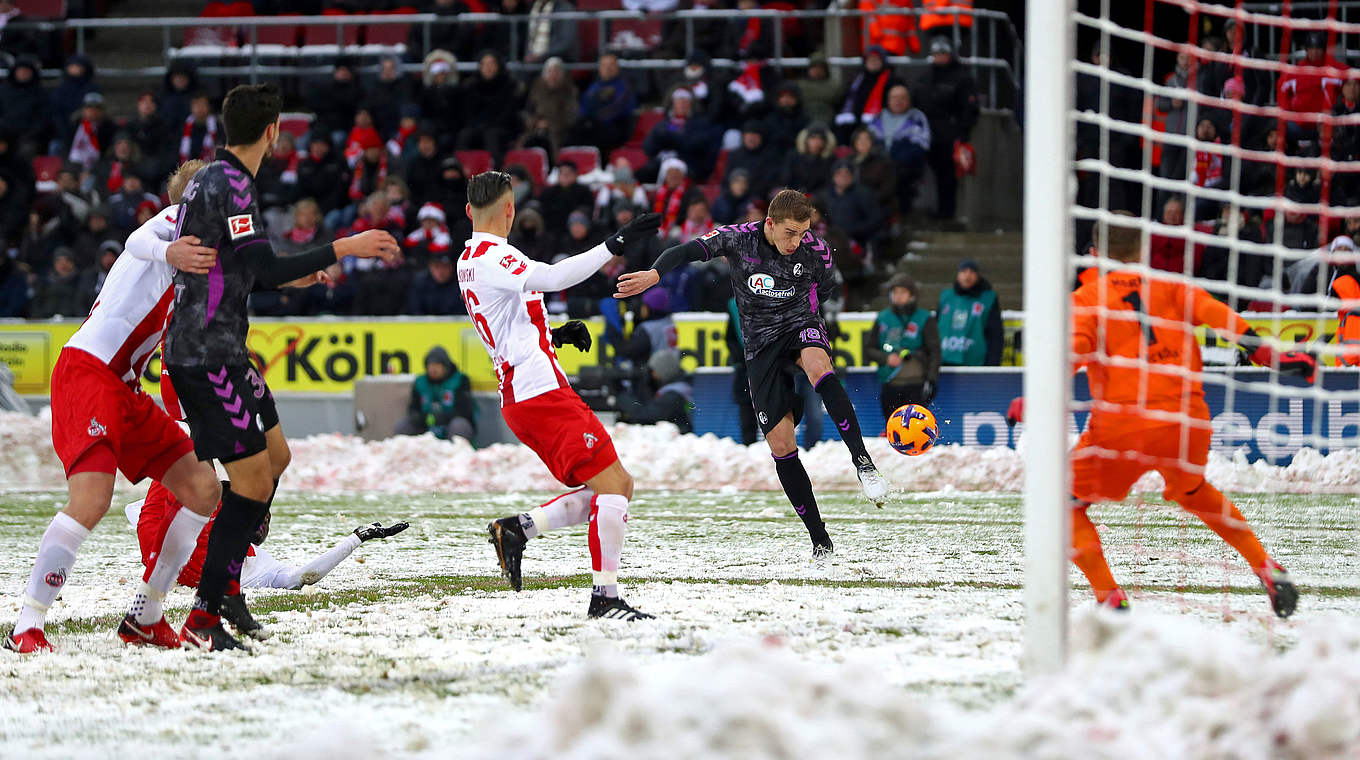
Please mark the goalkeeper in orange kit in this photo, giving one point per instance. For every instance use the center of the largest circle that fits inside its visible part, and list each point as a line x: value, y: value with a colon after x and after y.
x: 1135, y: 336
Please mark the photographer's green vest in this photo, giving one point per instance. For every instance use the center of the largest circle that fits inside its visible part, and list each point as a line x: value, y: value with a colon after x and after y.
x: 962, y: 320
x: 898, y: 334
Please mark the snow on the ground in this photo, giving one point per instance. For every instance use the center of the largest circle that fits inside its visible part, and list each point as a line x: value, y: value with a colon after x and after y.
x: 659, y: 457
x: 1137, y: 687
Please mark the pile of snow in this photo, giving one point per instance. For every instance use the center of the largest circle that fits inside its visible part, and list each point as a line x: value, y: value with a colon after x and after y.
x: 659, y: 457
x: 1137, y: 687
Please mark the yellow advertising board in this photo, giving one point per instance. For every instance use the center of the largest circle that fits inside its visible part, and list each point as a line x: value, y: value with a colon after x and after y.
x: 327, y: 355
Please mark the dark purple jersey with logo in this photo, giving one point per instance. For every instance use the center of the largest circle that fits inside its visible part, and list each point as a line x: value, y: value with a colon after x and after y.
x: 777, y: 295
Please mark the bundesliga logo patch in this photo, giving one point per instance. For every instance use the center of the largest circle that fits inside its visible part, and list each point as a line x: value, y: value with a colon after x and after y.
x: 708, y: 235
x: 241, y: 226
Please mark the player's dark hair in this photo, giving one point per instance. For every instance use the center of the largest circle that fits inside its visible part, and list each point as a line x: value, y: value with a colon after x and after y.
x: 790, y: 205
x: 1120, y: 242
x: 249, y: 110
x: 486, y: 188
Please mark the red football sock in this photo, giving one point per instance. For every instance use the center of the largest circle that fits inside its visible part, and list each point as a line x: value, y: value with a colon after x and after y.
x: 1088, y: 556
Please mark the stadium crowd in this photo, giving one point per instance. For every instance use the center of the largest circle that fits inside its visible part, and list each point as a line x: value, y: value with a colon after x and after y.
x: 387, y: 149
x: 1320, y: 85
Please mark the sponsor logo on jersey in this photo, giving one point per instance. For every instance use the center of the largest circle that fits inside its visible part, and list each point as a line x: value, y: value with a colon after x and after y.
x: 709, y: 234
x: 56, y: 578
x: 95, y: 429
x: 241, y: 225
x: 763, y: 285
x: 589, y: 439
x: 513, y: 265
x: 798, y: 269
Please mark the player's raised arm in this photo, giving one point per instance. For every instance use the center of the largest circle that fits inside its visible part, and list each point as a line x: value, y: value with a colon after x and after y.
x: 574, y: 270
x: 632, y: 283
x: 1211, y: 312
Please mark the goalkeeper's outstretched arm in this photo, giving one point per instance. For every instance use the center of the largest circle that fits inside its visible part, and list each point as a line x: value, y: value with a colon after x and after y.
x: 263, y: 571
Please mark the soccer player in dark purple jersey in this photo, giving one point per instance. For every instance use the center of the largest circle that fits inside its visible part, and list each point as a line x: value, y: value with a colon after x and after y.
x: 230, y: 411
x: 780, y: 274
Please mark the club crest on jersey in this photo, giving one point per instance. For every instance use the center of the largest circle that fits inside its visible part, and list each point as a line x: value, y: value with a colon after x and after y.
x: 798, y: 269
x: 763, y: 285
x: 764, y: 420
x: 96, y: 430
x: 241, y: 225
x: 589, y: 439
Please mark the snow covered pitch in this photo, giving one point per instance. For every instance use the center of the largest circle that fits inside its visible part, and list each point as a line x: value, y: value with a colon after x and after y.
x: 905, y: 644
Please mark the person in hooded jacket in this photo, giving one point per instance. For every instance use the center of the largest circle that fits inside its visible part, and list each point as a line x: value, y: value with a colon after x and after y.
x: 77, y: 81
x: 441, y: 401
x: 441, y: 100
x: 322, y: 175
x: 760, y: 160
x: 673, y: 399
x: 809, y: 170
x: 876, y: 171
x: 334, y: 101
x: 971, y: 332
x: 783, y: 123
x: 495, y: 98
x: 736, y: 193
x: 25, y: 109
x: 905, y: 343
x: 181, y: 82
x: 654, y: 330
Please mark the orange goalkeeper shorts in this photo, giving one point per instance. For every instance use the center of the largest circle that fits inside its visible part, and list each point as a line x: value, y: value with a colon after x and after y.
x: 1117, y: 449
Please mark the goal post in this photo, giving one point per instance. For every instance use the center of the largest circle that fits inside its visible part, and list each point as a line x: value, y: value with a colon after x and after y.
x: 1048, y: 193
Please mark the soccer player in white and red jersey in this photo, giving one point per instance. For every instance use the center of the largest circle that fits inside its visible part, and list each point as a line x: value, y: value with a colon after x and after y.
x: 102, y: 421
x: 503, y: 290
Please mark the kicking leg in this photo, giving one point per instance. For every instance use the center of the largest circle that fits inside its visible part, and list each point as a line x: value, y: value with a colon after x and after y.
x: 510, y: 534
x: 797, y: 485
x: 1222, y: 516
x: 817, y: 364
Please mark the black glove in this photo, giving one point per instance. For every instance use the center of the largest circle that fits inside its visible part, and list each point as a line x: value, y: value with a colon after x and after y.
x: 928, y: 391
x: 641, y: 227
x: 376, y: 530
x: 574, y: 332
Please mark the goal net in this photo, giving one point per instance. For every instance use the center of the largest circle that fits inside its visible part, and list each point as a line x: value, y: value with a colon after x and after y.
x: 1225, y: 139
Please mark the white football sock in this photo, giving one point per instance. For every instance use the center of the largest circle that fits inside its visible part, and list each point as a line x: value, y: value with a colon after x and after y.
x: 607, y: 527
x: 180, y: 539
x: 571, y: 508
x: 56, y: 557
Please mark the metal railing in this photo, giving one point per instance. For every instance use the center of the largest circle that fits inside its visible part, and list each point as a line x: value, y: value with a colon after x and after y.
x: 994, y: 57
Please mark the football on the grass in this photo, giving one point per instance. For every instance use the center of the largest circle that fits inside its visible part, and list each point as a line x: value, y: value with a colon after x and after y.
x: 912, y: 430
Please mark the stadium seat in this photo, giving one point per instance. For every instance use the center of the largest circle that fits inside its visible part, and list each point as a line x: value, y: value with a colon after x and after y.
x: 295, y: 124
x: 633, y: 155
x: 586, y: 157
x: 45, y: 169
x: 634, y: 34
x: 646, y: 119
x: 473, y: 161
x: 286, y: 36
x: 42, y: 8
x: 325, y: 36
x: 533, y: 159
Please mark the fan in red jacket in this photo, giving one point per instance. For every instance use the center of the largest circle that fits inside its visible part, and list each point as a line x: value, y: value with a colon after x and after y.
x: 1314, y: 86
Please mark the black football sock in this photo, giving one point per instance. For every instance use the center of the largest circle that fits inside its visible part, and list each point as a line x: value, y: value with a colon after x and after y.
x: 837, y: 403
x: 798, y: 487
x: 227, y: 545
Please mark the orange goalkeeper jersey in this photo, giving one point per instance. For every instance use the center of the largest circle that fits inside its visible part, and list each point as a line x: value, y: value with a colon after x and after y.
x: 1136, y: 338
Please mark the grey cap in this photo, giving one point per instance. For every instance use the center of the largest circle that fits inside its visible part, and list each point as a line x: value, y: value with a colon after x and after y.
x: 93, y: 99
x: 666, y: 365
x: 941, y: 45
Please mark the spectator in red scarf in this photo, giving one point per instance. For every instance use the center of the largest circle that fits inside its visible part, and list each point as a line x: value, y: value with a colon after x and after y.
x: 369, y: 162
x: 124, y: 157
x: 91, y: 135
x: 123, y: 204
x: 867, y: 93
x: 430, y: 238
x: 199, y: 137
x: 1208, y: 170
x: 381, y: 287
x: 670, y: 196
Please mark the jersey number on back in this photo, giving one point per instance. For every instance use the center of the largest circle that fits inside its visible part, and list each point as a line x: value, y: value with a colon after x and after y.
x: 483, y: 327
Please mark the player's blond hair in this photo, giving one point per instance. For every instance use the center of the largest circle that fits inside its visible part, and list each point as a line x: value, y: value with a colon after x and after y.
x: 174, y: 187
x: 1120, y: 242
x: 790, y: 205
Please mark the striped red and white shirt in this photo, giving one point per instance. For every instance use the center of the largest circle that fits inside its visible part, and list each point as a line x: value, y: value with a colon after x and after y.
x: 128, y: 321
x: 511, y: 320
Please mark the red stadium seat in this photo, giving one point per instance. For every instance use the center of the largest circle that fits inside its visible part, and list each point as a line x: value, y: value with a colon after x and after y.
x: 533, y: 159
x: 386, y: 34
x: 586, y: 157
x: 214, y: 9
x: 623, y: 32
x: 287, y: 36
x: 633, y: 155
x: 240, y: 8
x: 646, y: 119
x: 45, y: 169
x: 473, y: 161
x: 325, y: 35
x: 42, y: 8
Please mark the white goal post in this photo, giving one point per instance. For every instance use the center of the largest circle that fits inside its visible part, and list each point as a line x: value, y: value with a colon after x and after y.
x: 1049, y: 190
